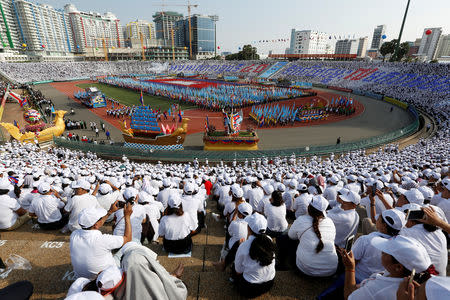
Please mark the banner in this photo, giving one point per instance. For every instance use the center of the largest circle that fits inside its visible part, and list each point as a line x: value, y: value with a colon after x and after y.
x: 396, y: 102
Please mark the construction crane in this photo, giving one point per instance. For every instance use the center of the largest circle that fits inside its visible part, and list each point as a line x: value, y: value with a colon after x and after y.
x: 189, y: 5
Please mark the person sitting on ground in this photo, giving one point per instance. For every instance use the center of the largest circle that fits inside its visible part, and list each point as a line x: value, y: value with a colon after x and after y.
x: 315, y: 254
x: 176, y: 227
x: 400, y: 256
x: 47, y: 208
x: 301, y: 203
x: 137, y: 218
x: 254, y: 263
x: 90, y: 250
x: 437, y: 287
x: 106, y: 194
x: 12, y: 215
x: 275, y: 212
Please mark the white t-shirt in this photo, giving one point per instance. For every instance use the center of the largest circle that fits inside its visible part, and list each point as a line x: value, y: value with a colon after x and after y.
x: 276, y: 217
x: 444, y: 204
x: 368, y: 257
x: 192, y: 205
x: 238, y: 229
x: 265, y: 200
x: 230, y: 209
x: 301, y: 204
x: 163, y: 196
x: 90, y: 251
x: 435, y: 243
x: 175, y: 227
x: 436, y: 199
x: 224, y: 197
x: 377, y: 287
x: 8, y: 206
x: 344, y: 221
x: 330, y: 192
x: 254, y: 197
x: 47, y: 208
x: 75, y: 205
x: 136, y: 218
x: 107, y: 200
x: 25, y: 200
x: 288, y: 198
x: 252, y: 271
x: 308, y: 261
x: 379, y: 206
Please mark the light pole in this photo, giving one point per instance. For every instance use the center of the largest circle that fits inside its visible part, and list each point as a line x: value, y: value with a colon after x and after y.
x: 397, y: 46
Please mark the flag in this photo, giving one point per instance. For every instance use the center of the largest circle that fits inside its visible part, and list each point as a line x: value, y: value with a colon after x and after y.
x: 16, y: 124
x: 13, y: 180
x: 141, y: 99
x: 180, y: 116
x: 53, y: 109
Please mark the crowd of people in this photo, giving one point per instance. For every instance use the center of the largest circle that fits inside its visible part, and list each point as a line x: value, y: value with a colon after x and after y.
x: 376, y: 223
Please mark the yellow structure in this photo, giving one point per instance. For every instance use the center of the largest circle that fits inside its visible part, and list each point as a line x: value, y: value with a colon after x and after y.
x: 230, y: 143
x: 44, y: 135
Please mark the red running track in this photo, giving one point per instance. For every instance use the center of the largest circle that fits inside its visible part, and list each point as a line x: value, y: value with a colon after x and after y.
x: 198, y: 116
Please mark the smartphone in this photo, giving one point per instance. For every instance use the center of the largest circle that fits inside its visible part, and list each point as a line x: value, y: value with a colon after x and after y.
x: 121, y: 204
x: 349, y: 243
x: 411, y: 278
x: 374, y: 189
x: 415, y: 215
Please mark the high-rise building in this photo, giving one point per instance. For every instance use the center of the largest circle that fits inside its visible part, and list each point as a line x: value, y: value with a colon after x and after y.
x: 346, y: 46
x: 377, y: 38
x: 308, y: 42
x: 165, y: 23
x: 134, y: 29
x: 93, y: 30
x: 43, y: 29
x: 11, y: 35
x: 429, y: 42
x: 202, y: 35
x: 443, y: 46
x: 362, y: 46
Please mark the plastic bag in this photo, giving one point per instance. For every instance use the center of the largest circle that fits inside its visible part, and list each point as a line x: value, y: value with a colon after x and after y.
x: 15, y: 262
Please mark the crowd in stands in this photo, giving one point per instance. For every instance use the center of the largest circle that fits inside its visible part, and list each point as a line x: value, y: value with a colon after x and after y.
x: 286, y: 213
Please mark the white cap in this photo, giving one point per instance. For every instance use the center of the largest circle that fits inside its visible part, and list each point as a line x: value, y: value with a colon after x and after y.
x: 347, y: 195
x: 237, y: 191
x: 166, y: 182
x: 129, y: 193
x: 105, y: 188
x: 407, y: 251
x: 174, y: 201
x: 333, y: 179
x: 245, y: 209
x: 257, y: 223
x: 89, y: 216
x: 268, y: 189
x: 437, y: 287
x: 82, y: 184
x: 414, y: 196
x: 5, y: 184
x: 398, y: 218
x: 302, y: 187
x: 446, y: 183
x: 293, y: 184
x: 189, y: 188
x: 319, y: 203
x: 88, y: 295
x: 44, y: 187
x: 109, y: 278
x: 427, y: 192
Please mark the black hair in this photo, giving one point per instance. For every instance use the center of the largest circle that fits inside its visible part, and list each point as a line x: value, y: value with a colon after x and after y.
x: 390, y: 231
x: 4, y: 191
x: 17, y: 191
x: 262, y: 250
x: 316, y: 215
x: 418, y: 277
x: 277, y: 199
x: 173, y: 210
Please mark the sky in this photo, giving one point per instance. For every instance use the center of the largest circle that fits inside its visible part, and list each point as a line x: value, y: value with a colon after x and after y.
x: 246, y: 21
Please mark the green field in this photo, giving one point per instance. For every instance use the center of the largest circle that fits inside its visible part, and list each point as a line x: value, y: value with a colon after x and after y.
x: 128, y: 97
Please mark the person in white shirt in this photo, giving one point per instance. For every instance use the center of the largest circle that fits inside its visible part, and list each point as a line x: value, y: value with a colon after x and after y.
x: 90, y: 250
x: 315, y: 254
x: 352, y: 184
x: 432, y: 238
x: 12, y: 215
x: 254, y: 263
x: 194, y: 206
x: 230, y: 211
x: 81, y: 200
x: 137, y: 218
x: 163, y: 195
x: 176, y: 227
x: 268, y: 190
x: 330, y: 193
x: 47, y: 208
x: 301, y: 203
x: 344, y: 215
x: 255, y: 195
x: 106, y: 194
x: 275, y: 212
x: 437, y: 287
x: 153, y: 210
x: 444, y: 204
x: 25, y: 200
x: 400, y: 255
x: 289, y: 196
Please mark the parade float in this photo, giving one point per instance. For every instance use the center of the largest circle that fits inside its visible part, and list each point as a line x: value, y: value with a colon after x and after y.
x: 36, y: 128
x: 91, y: 97
x: 231, y: 138
x: 145, y: 133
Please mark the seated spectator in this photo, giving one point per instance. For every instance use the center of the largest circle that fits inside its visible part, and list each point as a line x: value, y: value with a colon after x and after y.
x: 275, y: 212
x: 301, y: 203
x: 137, y: 218
x: 12, y: 215
x: 176, y: 227
x: 255, y: 259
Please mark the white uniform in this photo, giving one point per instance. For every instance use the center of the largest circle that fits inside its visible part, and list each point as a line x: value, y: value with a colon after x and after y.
x: 377, y: 287
x: 8, y: 206
x: 75, y: 205
x: 238, y: 229
x: 379, y: 206
x: 308, y: 261
x: 46, y: 208
x: 301, y: 204
x: 255, y: 196
x: 276, y: 217
x: 192, y: 205
x: 344, y: 221
x: 175, y: 227
x: 136, y: 219
x: 368, y: 257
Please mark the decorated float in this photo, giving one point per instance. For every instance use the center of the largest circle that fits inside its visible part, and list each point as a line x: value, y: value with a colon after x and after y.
x: 146, y: 133
x: 36, y: 128
x: 91, y: 97
x: 231, y: 138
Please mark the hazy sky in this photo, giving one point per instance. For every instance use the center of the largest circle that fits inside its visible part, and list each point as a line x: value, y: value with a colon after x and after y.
x: 244, y: 21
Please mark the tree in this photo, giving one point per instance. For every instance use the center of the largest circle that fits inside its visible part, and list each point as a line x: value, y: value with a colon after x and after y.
x: 247, y: 53
x: 387, y: 48
x: 402, y: 51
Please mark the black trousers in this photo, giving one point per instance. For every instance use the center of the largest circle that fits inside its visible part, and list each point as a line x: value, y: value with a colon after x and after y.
x: 252, y: 290
x: 55, y: 225
x: 287, y: 252
x: 21, y: 290
x: 178, y: 246
x: 229, y: 259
